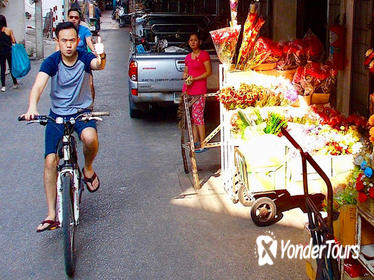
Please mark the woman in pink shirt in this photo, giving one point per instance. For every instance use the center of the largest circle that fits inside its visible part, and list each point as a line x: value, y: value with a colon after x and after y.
x: 197, y: 69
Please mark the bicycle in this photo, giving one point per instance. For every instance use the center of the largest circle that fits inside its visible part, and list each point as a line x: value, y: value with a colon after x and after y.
x: 69, y: 181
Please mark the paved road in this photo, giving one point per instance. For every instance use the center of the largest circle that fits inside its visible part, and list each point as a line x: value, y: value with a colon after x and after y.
x: 132, y: 228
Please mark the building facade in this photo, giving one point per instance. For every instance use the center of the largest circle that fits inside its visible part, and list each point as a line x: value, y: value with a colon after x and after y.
x: 15, y: 15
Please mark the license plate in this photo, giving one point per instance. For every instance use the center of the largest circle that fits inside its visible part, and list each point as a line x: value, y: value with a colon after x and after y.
x: 177, y: 98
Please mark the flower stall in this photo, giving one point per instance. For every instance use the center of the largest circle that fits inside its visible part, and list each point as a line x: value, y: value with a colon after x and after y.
x: 269, y: 86
x: 283, y: 78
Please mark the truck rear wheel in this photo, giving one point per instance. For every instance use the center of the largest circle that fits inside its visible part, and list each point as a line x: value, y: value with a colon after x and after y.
x: 133, y: 111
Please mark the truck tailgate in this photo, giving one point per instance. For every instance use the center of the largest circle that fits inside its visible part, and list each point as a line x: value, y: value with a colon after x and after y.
x: 163, y: 72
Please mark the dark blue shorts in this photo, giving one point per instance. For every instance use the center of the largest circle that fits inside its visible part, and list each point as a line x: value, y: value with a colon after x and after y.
x: 54, y: 132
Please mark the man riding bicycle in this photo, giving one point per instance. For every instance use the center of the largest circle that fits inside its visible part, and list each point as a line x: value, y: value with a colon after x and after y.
x: 70, y: 94
x: 85, y: 38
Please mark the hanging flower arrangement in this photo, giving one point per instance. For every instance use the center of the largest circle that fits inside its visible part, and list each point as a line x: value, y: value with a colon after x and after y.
x: 3, y: 3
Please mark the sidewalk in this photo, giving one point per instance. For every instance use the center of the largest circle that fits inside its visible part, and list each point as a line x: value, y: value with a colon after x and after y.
x: 107, y: 23
x: 213, y: 198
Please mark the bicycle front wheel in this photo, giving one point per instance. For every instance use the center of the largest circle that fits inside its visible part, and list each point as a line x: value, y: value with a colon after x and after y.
x: 68, y: 225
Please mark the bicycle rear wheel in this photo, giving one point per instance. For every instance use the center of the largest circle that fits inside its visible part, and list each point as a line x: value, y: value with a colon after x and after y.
x: 68, y: 225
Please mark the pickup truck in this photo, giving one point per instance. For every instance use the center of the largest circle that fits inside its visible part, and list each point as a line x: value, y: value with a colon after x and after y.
x: 155, y: 72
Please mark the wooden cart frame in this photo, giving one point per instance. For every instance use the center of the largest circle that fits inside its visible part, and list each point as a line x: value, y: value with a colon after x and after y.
x: 187, y: 141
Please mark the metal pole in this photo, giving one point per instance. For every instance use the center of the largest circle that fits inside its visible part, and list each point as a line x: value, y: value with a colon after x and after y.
x: 66, y: 8
x: 39, y: 30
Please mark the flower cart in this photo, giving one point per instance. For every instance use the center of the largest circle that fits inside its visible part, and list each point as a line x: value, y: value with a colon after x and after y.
x: 254, y: 159
x: 245, y: 171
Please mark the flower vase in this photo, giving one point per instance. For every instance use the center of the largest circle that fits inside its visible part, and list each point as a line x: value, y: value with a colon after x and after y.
x: 345, y: 225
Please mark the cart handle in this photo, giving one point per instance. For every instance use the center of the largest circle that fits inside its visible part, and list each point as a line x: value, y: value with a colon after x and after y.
x: 306, y: 157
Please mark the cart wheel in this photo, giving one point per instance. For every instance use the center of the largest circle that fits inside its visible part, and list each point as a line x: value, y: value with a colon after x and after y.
x: 244, y: 197
x: 263, y: 212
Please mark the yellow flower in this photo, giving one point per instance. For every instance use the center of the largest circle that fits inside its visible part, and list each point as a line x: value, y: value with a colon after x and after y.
x: 371, y: 120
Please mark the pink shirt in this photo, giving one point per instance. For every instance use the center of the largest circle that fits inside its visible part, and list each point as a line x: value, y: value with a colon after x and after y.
x: 196, y: 68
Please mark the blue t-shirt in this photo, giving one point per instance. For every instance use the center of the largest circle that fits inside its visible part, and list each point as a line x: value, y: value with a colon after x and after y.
x: 70, y: 85
x: 83, y: 33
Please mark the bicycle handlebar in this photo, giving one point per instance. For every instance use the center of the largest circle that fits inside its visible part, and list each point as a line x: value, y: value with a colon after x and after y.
x: 86, y: 115
x: 36, y: 118
x: 99, y: 114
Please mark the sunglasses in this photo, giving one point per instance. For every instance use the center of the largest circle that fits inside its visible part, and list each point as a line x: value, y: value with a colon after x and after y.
x: 73, y: 17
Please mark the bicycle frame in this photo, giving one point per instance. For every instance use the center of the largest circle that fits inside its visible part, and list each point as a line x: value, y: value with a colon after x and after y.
x: 71, y: 167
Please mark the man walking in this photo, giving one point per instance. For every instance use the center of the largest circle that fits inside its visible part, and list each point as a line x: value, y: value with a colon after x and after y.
x: 69, y: 70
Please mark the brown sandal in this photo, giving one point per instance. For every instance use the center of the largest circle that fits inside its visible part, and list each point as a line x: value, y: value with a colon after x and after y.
x: 89, y: 181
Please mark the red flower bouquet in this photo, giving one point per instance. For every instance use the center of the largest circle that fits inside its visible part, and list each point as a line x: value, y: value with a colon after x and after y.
x: 265, y: 51
x: 315, y: 77
x: 233, y: 99
x: 250, y: 96
x: 336, y: 120
x: 299, y: 51
x: 252, y: 27
x: 365, y: 188
x: 293, y: 55
x: 225, y: 41
x: 313, y: 47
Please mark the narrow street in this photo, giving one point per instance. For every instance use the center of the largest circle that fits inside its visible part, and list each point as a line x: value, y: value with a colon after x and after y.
x: 136, y: 226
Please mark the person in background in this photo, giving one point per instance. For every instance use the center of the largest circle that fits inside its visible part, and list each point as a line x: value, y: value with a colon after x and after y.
x: 74, y: 4
x: 197, y: 69
x: 6, y: 41
x: 84, y: 34
x: 97, y: 15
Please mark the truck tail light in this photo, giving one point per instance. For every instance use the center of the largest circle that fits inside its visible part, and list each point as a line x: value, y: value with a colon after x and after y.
x: 133, y: 71
x: 134, y: 91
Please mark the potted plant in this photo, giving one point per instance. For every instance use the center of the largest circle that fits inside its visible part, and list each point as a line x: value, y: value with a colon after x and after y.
x: 345, y: 203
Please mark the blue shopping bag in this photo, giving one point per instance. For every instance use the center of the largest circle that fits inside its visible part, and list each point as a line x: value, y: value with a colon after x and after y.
x: 20, y: 61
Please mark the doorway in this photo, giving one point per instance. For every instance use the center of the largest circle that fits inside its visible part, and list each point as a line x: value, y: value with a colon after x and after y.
x: 361, y: 42
x: 312, y: 15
